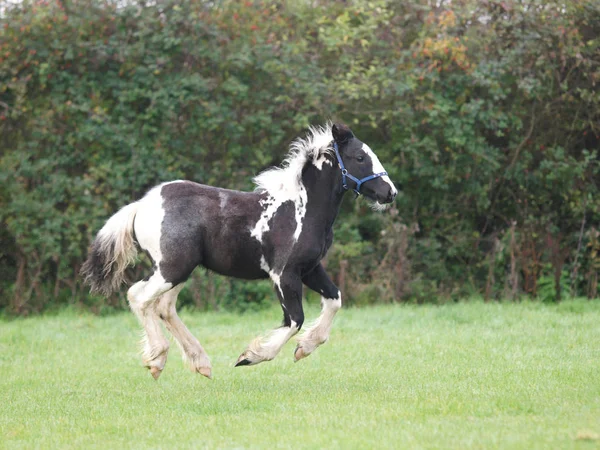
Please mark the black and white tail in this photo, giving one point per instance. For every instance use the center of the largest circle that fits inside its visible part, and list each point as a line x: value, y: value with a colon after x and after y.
x: 112, y: 251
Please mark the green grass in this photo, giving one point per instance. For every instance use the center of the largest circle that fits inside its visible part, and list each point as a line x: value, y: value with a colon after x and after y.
x: 469, y: 375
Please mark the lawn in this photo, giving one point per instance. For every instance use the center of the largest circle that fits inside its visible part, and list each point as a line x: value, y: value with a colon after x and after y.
x: 468, y: 375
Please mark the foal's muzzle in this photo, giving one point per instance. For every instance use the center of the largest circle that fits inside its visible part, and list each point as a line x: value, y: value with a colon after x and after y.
x: 391, y: 195
x: 385, y: 194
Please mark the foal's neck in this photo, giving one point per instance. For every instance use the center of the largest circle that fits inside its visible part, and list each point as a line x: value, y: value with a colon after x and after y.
x: 324, y: 192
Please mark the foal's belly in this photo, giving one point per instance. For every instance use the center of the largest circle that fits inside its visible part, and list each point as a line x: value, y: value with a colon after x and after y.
x: 245, y: 267
x: 235, y: 255
x: 244, y: 273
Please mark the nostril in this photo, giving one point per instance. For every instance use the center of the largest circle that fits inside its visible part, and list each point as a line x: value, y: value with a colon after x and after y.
x: 391, y: 195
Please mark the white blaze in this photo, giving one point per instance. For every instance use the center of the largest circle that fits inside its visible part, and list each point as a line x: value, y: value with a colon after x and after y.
x: 378, y: 167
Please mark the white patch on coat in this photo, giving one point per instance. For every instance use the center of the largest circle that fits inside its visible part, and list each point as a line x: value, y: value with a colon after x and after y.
x: 283, y: 184
x: 223, y: 199
x: 300, y: 209
x: 263, y: 264
x: 275, y: 277
x: 277, y: 280
x: 323, y: 159
x: 272, y: 203
x: 148, y: 222
x: 268, y: 206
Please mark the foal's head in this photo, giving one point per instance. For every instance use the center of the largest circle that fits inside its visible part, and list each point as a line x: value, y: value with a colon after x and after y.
x: 365, y: 174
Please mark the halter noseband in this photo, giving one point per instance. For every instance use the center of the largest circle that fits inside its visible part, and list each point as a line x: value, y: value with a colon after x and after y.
x: 353, y: 178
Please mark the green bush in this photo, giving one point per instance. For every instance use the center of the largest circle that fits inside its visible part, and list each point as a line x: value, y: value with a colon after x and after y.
x: 486, y: 114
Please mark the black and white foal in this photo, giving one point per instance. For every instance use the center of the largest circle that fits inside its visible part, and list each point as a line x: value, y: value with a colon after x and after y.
x: 282, y: 230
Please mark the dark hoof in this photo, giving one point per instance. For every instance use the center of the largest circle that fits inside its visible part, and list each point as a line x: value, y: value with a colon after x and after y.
x: 243, y: 362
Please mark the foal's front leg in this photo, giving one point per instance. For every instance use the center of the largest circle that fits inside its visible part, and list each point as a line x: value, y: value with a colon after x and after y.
x: 289, y: 291
x: 331, y: 302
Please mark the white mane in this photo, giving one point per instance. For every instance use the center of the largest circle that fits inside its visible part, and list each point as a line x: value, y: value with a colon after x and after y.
x: 286, y: 178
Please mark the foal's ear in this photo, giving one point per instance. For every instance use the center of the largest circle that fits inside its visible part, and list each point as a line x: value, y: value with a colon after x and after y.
x: 341, y: 133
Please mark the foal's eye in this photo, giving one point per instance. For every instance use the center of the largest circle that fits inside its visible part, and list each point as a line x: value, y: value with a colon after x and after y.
x: 360, y: 158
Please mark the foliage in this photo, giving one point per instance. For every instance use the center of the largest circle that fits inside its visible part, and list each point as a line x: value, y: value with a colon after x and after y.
x: 485, y: 113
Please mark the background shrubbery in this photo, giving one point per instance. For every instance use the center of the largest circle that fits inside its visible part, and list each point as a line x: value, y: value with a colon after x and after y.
x: 487, y: 114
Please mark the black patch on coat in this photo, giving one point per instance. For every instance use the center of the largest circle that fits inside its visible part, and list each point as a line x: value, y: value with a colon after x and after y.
x: 196, y: 231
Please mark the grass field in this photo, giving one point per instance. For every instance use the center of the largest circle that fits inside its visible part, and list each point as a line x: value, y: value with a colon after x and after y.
x: 469, y: 375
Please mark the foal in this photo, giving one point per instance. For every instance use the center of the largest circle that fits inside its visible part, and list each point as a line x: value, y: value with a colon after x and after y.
x: 280, y: 231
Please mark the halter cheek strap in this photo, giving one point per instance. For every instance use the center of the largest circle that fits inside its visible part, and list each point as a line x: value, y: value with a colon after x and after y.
x: 345, y: 173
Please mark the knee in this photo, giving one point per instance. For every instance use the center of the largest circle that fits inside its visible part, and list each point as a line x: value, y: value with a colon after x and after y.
x: 334, y: 302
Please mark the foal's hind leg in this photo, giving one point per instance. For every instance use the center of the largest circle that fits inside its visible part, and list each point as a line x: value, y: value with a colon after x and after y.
x: 289, y: 290
x: 191, y: 349
x: 331, y: 302
x: 155, y: 346
x: 141, y: 296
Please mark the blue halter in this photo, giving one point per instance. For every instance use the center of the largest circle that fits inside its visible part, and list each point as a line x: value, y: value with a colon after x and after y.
x: 353, y: 178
